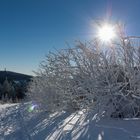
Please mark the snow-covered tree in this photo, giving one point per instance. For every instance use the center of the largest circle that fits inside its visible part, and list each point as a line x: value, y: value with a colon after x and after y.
x: 88, y: 77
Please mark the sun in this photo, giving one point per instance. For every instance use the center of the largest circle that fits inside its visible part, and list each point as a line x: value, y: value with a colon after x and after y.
x: 106, y: 33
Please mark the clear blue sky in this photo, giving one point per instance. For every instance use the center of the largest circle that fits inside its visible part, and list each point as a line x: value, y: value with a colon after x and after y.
x: 31, y: 28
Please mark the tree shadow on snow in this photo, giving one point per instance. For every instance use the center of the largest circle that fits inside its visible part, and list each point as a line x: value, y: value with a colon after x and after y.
x: 84, y: 126
x: 66, y: 126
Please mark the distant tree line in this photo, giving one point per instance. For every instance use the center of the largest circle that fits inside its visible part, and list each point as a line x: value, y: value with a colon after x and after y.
x: 12, y: 91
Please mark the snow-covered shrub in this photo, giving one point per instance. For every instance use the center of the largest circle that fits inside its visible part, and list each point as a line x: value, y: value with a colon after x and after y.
x: 89, y: 77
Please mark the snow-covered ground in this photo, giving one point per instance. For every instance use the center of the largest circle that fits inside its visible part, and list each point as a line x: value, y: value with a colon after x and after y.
x: 23, y: 122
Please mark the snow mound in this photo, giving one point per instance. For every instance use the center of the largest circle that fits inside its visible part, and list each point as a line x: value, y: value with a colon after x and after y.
x: 17, y: 122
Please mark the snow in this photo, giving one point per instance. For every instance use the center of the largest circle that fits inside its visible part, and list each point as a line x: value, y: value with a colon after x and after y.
x: 3, y: 106
x: 17, y: 122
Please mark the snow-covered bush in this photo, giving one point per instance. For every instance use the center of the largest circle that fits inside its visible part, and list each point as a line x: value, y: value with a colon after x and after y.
x: 86, y: 76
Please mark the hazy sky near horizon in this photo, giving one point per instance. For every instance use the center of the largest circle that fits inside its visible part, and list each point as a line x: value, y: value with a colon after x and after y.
x: 29, y: 29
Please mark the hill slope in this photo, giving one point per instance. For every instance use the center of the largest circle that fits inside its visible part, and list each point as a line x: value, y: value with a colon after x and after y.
x: 13, y: 76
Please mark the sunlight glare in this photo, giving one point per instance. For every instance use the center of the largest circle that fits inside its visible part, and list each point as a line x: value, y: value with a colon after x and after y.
x: 106, y: 33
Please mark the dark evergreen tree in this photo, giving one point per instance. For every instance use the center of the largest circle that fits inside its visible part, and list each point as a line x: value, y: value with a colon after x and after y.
x: 13, y: 93
x: 0, y: 91
x: 6, y: 89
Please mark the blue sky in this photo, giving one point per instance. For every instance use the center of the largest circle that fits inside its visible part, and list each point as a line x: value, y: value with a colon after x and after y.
x: 31, y: 28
